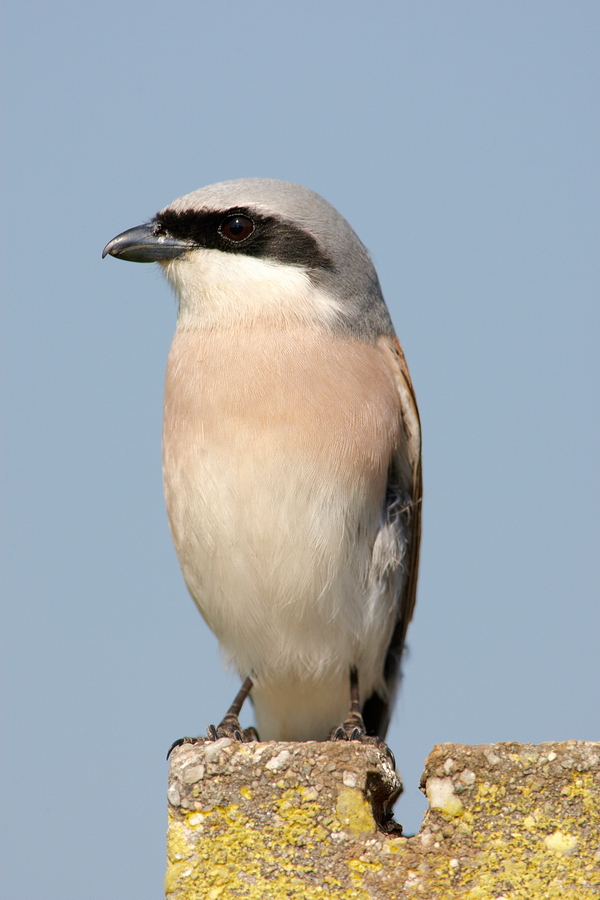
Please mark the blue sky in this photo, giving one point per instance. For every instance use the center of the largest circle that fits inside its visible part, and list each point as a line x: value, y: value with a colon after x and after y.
x: 460, y: 139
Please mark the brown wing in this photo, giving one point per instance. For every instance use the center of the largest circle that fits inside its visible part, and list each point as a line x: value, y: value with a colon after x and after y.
x: 407, y: 472
x: 412, y: 425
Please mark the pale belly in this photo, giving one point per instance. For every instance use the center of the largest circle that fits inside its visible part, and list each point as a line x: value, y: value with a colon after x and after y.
x: 275, y: 465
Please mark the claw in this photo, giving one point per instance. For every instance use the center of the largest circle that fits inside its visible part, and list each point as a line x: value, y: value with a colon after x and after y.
x: 180, y: 742
x: 230, y: 726
x: 353, y: 727
x: 173, y: 745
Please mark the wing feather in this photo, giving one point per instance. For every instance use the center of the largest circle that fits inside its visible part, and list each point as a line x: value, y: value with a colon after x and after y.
x: 405, y: 482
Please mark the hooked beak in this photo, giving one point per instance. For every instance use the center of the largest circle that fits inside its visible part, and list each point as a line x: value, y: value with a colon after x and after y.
x: 142, y: 244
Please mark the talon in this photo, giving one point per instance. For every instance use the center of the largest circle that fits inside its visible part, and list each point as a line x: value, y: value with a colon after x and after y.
x: 180, y: 742
x: 353, y: 726
x: 173, y: 745
x: 230, y: 726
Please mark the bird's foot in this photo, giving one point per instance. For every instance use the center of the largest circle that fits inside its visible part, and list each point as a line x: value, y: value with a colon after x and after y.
x: 181, y: 741
x: 230, y: 728
x: 353, y: 729
x: 353, y: 726
x: 230, y: 725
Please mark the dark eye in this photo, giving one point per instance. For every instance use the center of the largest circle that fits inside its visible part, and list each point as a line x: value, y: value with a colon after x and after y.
x: 236, y: 228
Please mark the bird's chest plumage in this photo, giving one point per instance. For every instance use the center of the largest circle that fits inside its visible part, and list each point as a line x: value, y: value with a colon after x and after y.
x: 276, y: 451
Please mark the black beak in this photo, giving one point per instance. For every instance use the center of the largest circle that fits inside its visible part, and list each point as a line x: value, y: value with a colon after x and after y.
x: 142, y: 244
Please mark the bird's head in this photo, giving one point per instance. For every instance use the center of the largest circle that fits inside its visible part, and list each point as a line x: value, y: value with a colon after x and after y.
x: 256, y: 249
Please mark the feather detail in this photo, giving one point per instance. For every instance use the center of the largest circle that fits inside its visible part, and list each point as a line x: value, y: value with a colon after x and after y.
x: 396, y: 550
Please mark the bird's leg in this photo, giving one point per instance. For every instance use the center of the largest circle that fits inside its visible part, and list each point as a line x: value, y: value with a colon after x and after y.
x: 353, y: 727
x: 230, y: 725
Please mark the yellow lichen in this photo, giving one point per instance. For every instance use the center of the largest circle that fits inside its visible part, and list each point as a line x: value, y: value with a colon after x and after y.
x: 179, y: 845
x: 241, y: 861
x: 521, y: 858
x: 560, y: 842
x: 440, y: 793
x: 361, y: 865
x: 174, y: 872
x: 397, y: 844
x: 354, y: 812
x: 516, y: 840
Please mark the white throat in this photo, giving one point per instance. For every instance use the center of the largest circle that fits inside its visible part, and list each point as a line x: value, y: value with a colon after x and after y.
x: 220, y: 290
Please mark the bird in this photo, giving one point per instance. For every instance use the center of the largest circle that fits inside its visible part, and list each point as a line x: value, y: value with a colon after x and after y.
x: 291, y: 454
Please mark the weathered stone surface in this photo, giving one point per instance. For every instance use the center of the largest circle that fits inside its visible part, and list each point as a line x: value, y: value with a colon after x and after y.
x: 268, y: 820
